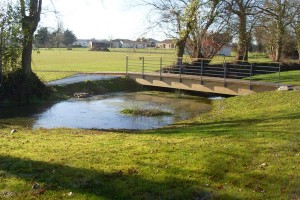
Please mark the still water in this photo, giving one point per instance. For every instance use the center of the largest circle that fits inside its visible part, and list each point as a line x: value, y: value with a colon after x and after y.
x: 104, y: 111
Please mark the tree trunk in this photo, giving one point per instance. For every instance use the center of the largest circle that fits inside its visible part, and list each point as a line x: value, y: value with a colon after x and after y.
x: 27, y: 55
x: 1, y: 65
x: 279, y: 48
x: 298, y: 49
x: 180, y: 46
x: 279, y: 42
x: 29, y: 25
x: 1, y: 56
x: 243, y: 43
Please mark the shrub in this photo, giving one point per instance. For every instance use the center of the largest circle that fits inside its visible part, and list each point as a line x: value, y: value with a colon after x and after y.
x: 22, y: 89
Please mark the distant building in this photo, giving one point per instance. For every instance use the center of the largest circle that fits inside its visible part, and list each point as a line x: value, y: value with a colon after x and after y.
x: 225, y: 50
x: 99, y: 44
x: 152, y: 42
x: 125, y: 43
x: 82, y: 43
x: 166, y: 44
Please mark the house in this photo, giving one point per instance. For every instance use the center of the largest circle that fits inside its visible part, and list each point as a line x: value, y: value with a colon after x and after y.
x: 116, y: 43
x: 211, y: 47
x: 81, y: 42
x: 99, y: 44
x: 149, y: 42
x: 225, y: 50
x: 125, y: 43
x: 152, y: 42
x: 166, y: 44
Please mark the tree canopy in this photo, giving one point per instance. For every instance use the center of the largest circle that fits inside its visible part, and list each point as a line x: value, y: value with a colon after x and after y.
x: 197, y: 23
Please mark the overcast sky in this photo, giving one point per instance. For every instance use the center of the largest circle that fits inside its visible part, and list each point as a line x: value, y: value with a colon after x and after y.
x: 99, y: 19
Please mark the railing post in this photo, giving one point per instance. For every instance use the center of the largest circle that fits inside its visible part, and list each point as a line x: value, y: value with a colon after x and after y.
x: 126, y: 65
x: 143, y: 67
x: 225, y: 71
x: 201, y: 81
x: 279, y: 70
x: 160, y: 71
x: 250, y: 78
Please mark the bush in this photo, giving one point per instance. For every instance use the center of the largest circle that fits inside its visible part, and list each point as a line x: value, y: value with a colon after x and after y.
x: 100, y: 49
x: 22, y: 89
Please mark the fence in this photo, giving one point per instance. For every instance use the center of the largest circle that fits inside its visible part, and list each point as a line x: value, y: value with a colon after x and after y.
x: 202, y: 68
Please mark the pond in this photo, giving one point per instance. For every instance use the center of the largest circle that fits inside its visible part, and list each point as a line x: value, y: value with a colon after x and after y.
x: 104, y: 111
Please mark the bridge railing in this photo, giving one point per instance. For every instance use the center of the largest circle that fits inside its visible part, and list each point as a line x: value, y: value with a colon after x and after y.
x: 202, y: 68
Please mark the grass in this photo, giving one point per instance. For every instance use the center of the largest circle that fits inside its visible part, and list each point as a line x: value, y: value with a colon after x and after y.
x: 119, y: 84
x: 82, y: 60
x: 253, y: 57
x: 78, y: 60
x: 288, y: 77
x: 143, y: 111
x: 247, y: 147
x: 62, y: 62
x: 51, y: 76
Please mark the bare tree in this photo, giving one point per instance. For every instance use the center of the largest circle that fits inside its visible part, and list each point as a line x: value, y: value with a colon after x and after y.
x: 282, y: 14
x: 177, y: 18
x: 30, y: 13
x: 245, y: 14
x: 211, y: 32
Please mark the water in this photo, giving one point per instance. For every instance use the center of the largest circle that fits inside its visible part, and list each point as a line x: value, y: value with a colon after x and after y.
x: 104, y: 111
x: 81, y: 78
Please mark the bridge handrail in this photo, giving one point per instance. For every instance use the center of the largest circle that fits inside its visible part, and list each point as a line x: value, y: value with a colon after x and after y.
x: 200, y: 67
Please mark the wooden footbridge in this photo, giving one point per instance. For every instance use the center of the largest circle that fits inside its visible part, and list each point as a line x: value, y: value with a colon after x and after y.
x: 228, y: 79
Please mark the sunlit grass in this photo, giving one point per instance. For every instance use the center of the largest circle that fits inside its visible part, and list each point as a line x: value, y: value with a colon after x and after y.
x: 145, y: 111
x: 288, y: 77
x: 247, y: 147
x: 63, y: 62
x: 82, y: 60
x: 51, y: 76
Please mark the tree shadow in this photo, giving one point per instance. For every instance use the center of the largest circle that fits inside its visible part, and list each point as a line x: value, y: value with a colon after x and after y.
x: 89, y: 182
x: 252, y: 175
x: 226, y: 126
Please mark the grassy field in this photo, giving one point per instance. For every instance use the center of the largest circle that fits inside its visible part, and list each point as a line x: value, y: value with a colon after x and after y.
x: 246, y: 148
x: 63, y: 62
x: 288, y: 77
x: 84, y: 60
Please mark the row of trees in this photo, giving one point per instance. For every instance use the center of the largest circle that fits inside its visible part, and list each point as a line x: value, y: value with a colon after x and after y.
x: 204, y: 26
x: 45, y: 38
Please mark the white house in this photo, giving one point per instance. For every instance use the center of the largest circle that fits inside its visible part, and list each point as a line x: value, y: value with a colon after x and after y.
x: 81, y: 42
x: 99, y: 44
x: 226, y: 50
x: 166, y: 44
x: 124, y: 43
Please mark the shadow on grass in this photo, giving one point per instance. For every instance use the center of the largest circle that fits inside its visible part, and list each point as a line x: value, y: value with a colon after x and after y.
x: 92, y: 183
x: 240, y: 169
x: 228, y: 126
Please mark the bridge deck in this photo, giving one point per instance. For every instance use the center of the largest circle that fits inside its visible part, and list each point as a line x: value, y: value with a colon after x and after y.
x: 203, y: 83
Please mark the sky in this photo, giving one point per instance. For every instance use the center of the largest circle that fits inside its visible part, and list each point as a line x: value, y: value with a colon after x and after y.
x: 100, y: 19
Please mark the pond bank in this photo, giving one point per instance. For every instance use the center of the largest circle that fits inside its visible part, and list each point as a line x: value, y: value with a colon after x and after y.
x: 246, y: 148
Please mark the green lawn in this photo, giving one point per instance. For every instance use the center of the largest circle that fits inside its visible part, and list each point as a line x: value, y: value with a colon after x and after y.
x: 63, y: 62
x: 289, y: 77
x: 84, y: 60
x: 78, y: 60
x: 247, y: 147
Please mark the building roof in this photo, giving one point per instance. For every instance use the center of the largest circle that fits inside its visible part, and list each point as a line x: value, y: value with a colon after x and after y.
x: 168, y: 41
